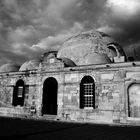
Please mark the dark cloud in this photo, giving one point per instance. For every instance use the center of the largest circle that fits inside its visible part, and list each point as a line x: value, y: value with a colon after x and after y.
x: 86, y: 12
x: 30, y: 27
x: 122, y: 22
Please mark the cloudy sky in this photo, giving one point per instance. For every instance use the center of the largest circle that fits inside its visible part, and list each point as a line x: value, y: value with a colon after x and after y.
x: 30, y: 27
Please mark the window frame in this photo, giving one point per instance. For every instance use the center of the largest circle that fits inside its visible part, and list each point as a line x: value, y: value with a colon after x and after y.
x: 18, y: 96
x: 87, y: 101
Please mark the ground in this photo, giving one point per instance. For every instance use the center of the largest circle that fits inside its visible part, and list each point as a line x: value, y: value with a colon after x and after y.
x: 23, y: 129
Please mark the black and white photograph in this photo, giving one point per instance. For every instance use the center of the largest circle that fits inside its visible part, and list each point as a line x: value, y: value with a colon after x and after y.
x: 70, y: 69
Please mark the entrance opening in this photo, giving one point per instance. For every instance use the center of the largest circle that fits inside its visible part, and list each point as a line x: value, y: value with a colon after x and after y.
x: 49, y: 97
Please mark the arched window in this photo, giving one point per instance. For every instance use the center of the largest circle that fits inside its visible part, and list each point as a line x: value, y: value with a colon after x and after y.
x: 134, y: 100
x: 18, y: 94
x: 87, y: 92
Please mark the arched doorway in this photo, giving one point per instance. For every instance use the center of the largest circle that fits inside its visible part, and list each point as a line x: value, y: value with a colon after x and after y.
x: 134, y: 100
x: 87, y: 92
x: 49, y: 100
x: 18, y: 94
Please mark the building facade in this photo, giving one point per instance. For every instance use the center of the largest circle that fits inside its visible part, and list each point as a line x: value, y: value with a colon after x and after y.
x: 87, y: 80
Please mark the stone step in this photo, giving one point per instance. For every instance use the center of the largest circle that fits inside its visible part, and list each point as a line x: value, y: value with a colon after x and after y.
x: 50, y: 117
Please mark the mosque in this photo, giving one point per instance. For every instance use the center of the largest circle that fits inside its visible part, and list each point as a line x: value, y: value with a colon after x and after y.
x: 87, y: 80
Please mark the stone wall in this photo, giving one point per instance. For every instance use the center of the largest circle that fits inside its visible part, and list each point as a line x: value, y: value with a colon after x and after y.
x: 111, y: 95
x: 109, y: 89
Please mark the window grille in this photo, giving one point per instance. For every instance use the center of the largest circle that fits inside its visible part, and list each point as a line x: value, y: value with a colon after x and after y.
x: 20, y: 91
x: 88, y: 94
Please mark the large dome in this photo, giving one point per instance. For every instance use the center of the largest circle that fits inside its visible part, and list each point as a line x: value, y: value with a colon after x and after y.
x: 29, y: 65
x: 10, y: 67
x: 82, y: 48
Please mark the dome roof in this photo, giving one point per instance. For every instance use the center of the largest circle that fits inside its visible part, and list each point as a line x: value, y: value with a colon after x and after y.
x: 10, y: 67
x: 96, y: 58
x: 29, y: 65
x: 79, y: 47
x: 67, y: 62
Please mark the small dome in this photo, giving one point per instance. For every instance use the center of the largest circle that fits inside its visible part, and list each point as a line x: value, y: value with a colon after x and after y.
x: 79, y: 46
x: 10, y: 67
x: 67, y: 62
x: 96, y: 58
x: 29, y: 65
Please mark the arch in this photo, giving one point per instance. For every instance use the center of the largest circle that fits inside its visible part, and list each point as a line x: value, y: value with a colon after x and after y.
x: 113, y: 52
x: 49, y: 100
x: 134, y: 100
x: 87, y: 92
x: 18, y: 94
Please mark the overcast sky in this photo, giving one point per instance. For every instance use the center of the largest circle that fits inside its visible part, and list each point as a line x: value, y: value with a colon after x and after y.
x: 30, y: 27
